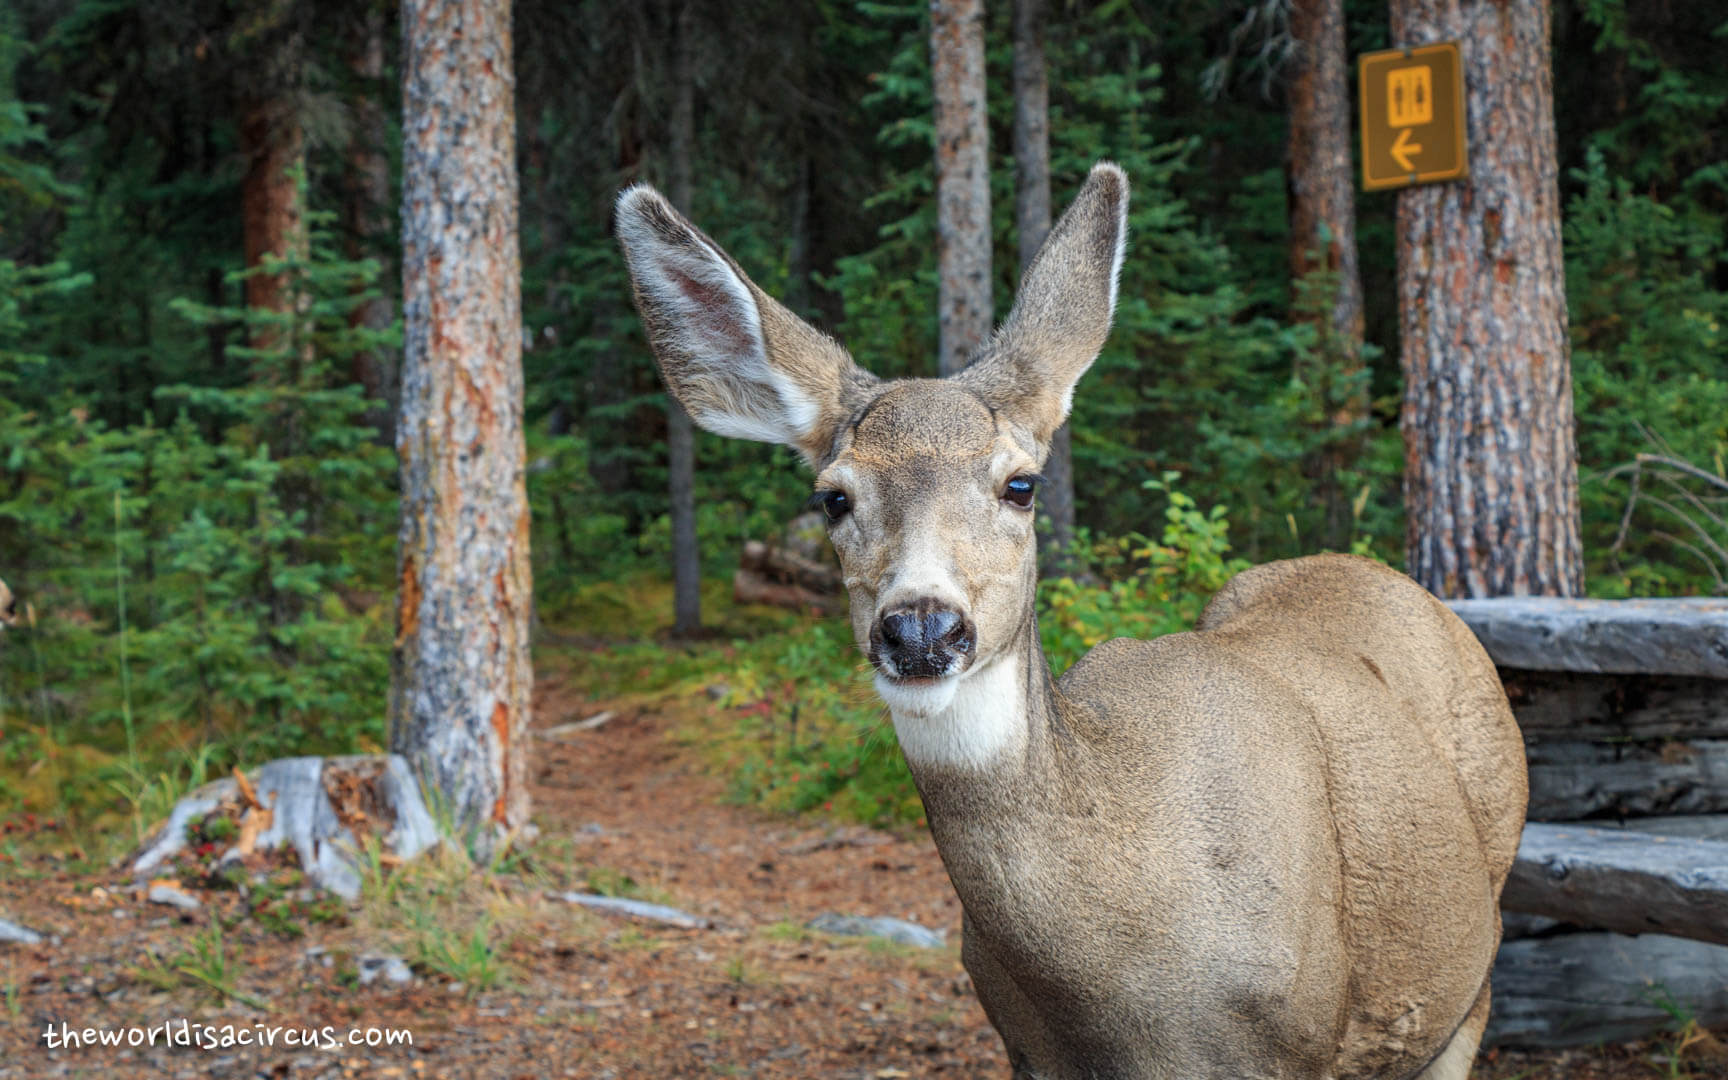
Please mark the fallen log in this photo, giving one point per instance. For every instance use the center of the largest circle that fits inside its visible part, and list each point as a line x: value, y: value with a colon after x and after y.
x: 771, y: 575
x: 1667, y: 636
x: 1578, y: 989
x: 788, y: 567
x: 1629, y: 882
x: 751, y: 587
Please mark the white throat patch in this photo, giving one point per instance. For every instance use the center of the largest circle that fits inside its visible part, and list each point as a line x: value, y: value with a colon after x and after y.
x: 964, y: 723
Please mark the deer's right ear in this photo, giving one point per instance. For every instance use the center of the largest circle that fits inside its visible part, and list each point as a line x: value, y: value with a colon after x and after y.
x: 738, y: 361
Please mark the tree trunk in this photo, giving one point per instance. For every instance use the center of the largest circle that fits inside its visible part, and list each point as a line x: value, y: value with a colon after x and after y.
x: 366, y: 187
x: 962, y: 179
x: 272, y: 219
x: 459, y: 703
x: 1328, y: 287
x: 1490, y: 462
x: 1032, y: 223
x: 680, y: 432
x: 798, y: 235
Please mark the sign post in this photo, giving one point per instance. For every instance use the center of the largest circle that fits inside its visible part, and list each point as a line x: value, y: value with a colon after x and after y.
x: 1412, y: 116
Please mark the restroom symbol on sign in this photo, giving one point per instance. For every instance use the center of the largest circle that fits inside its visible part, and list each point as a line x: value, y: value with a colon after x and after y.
x: 1413, y: 117
x: 1409, y: 96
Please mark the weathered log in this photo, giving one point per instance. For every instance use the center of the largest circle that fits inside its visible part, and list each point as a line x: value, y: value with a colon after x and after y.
x: 1629, y: 882
x: 1574, y: 780
x: 752, y: 587
x: 1667, y: 636
x: 774, y: 575
x: 1576, y: 989
x: 787, y: 567
x: 1694, y: 826
x: 1576, y: 705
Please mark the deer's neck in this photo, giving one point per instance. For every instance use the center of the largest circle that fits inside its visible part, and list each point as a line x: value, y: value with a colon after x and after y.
x: 995, y: 727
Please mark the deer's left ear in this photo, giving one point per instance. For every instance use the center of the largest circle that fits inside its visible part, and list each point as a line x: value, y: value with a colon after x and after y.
x: 741, y: 363
x: 1063, y: 311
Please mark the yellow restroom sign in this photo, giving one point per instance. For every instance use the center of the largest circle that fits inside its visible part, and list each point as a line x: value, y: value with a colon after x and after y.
x: 1412, y: 116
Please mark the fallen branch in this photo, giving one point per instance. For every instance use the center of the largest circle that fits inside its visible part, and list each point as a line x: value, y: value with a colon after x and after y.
x: 1705, y: 524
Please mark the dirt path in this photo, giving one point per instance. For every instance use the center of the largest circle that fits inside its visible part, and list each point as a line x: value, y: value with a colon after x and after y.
x: 587, y: 996
x: 584, y: 996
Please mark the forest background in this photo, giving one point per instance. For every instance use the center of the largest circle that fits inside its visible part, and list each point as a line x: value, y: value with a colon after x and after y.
x: 198, y: 482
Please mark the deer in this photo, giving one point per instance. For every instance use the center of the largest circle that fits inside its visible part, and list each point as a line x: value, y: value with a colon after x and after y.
x: 8, y: 607
x: 1272, y: 846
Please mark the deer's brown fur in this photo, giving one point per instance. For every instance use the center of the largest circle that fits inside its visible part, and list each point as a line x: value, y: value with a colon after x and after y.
x: 1271, y: 847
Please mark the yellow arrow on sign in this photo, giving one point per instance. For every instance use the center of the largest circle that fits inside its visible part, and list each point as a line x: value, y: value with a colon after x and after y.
x: 1402, y: 148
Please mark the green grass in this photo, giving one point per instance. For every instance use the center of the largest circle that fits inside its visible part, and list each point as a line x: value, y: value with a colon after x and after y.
x: 205, y: 966
x: 471, y: 960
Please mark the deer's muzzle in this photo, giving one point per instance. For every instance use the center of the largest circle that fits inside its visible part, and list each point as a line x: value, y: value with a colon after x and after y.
x: 927, y: 640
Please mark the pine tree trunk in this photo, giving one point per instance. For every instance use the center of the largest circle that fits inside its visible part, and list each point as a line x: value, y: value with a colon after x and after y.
x: 1490, y: 476
x: 962, y: 179
x: 272, y: 219
x: 366, y: 190
x: 680, y: 432
x: 459, y: 703
x: 1328, y: 286
x: 1032, y: 223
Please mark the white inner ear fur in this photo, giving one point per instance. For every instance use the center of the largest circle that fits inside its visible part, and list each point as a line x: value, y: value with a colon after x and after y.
x: 1116, y: 259
x: 963, y: 723
x: 1121, y: 250
x: 713, y: 321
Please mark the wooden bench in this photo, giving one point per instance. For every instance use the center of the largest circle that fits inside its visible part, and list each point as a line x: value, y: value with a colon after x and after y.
x: 1624, y: 709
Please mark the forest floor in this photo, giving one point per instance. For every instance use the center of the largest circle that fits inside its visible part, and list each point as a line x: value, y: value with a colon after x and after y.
x: 510, y: 982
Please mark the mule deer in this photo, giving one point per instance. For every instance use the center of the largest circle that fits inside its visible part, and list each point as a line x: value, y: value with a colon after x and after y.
x: 1272, y: 847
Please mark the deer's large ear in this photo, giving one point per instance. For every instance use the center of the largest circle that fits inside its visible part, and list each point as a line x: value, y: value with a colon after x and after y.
x: 742, y: 364
x: 1062, y: 313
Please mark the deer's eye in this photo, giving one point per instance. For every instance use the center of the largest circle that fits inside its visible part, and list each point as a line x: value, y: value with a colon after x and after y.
x: 1019, y: 491
x: 834, y: 504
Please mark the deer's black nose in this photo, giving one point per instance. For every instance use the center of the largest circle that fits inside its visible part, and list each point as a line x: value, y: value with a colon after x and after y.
x: 922, y: 641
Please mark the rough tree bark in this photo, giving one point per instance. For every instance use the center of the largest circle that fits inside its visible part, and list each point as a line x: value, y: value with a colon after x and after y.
x: 680, y: 432
x: 1490, y: 474
x: 1322, y: 200
x: 272, y: 145
x: 1032, y: 224
x: 962, y: 179
x: 459, y: 702
x: 366, y: 191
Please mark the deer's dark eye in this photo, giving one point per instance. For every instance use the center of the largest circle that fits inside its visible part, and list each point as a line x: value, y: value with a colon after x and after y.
x: 1019, y: 491
x: 833, y: 504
